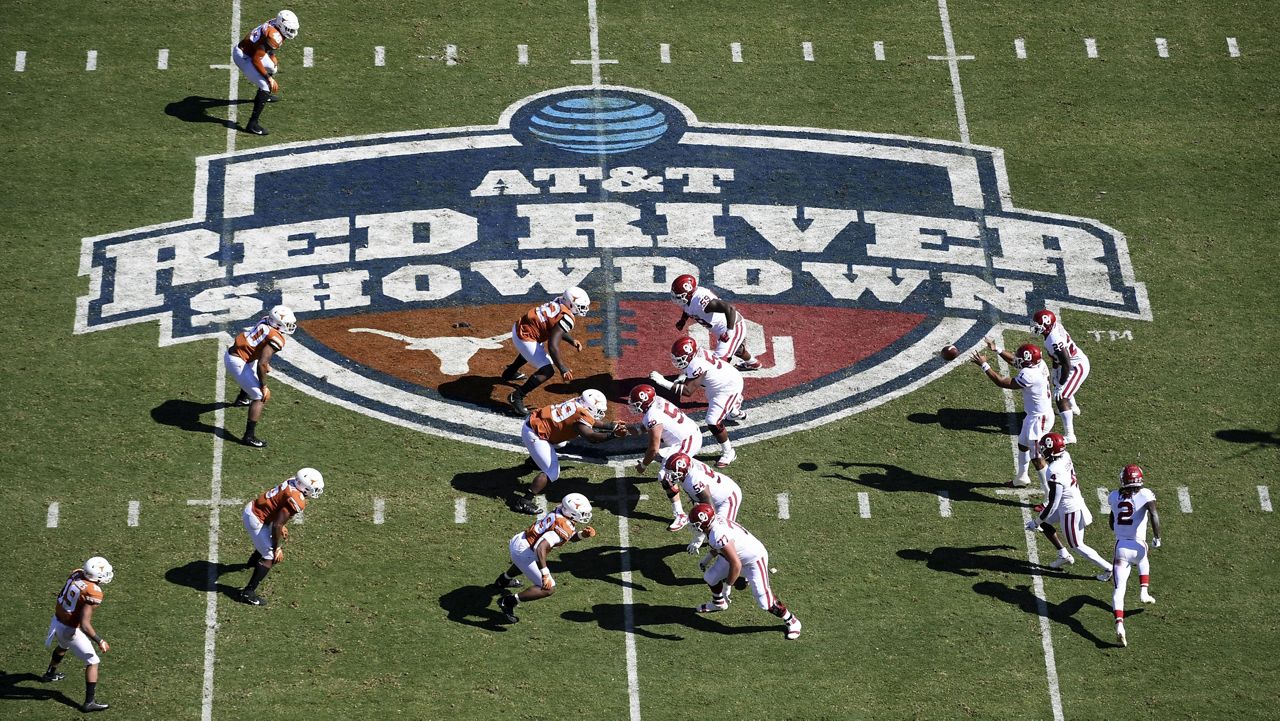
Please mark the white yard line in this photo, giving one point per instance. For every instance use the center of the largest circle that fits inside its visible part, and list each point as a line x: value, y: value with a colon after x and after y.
x: 1162, y: 47
x: 162, y: 59
x: 784, y: 506
x: 944, y: 504
x: 806, y: 48
x: 451, y: 55
x: 1264, y: 498
x: 593, y: 27
x: 664, y: 53
x: 1233, y: 48
x: 1020, y: 48
x: 864, y: 504
x: 20, y: 61
x: 522, y: 54
x: 735, y: 52
x: 1103, y: 507
x: 379, y: 511
x: 91, y: 61
x: 953, y: 64
x: 878, y: 48
x: 134, y: 509
x: 1184, y: 499
x: 51, y: 519
x: 628, y: 615
x: 1090, y: 48
x: 308, y: 57
x: 460, y: 510
x: 379, y: 56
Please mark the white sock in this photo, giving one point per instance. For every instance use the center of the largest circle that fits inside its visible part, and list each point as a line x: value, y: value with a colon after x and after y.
x: 1063, y: 552
x: 677, y: 508
x: 1024, y: 457
x: 1068, y: 423
x: 726, y: 447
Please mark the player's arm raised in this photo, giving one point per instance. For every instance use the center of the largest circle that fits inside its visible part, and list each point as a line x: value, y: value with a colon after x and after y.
x: 980, y: 360
x: 1006, y: 355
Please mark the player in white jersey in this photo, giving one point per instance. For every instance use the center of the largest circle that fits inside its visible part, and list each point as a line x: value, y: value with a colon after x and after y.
x: 721, y: 381
x: 1070, y: 365
x: 670, y: 431
x: 728, y: 327
x: 703, y: 485
x: 1130, y: 507
x: 738, y: 553
x: 1032, y: 379
x: 1064, y: 507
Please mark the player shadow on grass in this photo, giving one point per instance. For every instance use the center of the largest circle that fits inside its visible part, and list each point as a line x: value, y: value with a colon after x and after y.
x: 11, y: 691
x: 195, y: 109
x: 186, y: 415
x: 1063, y: 612
x: 610, y: 617
x: 474, y: 606
x: 604, y: 563
x: 1258, y: 440
x: 196, y: 575
x: 893, y: 479
x: 965, y: 419
x: 963, y: 560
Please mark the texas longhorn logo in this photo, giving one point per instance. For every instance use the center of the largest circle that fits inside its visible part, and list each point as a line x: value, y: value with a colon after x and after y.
x: 407, y: 257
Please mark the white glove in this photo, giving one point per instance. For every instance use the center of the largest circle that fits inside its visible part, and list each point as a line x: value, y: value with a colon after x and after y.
x: 692, y: 548
x: 1033, y: 524
x: 1157, y: 542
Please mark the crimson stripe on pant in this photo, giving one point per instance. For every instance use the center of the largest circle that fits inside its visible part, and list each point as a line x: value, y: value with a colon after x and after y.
x: 1073, y: 382
x: 725, y: 411
x: 764, y: 578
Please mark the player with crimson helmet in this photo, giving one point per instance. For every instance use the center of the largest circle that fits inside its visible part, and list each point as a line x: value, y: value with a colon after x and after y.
x: 1131, y: 505
x: 1064, y: 507
x: 670, y: 431
x: 1070, y: 365
x: 721, y: 381
x: 1032, y: 379
x: 728, y: 327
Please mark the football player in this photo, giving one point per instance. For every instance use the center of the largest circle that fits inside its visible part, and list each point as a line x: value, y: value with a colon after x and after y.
x: 727, y: 325
x: 255, y: 55
x: 670, y: 431
x: 265, y: 518
x: 1033, y: 380
x: 72, y: 626
x: 248, y: 360
x: 722, y: 383
x: 1064, y: 506
x: 1130, y: 507
x: 703, y: 485
x: 530, y: 547
x: 555, y: 425
x: 738, y: 553
x: 537, y: 335
x: 1070, y: 365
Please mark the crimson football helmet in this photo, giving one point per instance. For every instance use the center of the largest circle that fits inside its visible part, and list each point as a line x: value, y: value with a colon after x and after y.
x: 702, y: 515
x: 677, y: 466
x: 1027, y: 356
x: 1052, y: 445
x: 1131, y: 476
x: 1043, y: 321
x: 682, y: 288
x: 683, y: 351
x: 642, y: 396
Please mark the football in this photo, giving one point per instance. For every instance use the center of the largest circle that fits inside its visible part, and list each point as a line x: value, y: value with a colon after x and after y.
x: 949, y: 352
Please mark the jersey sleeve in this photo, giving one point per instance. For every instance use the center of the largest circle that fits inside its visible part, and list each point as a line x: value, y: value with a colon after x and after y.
x: 566, y: 322
x: 276, y: 339
x: 1023, y: 379
x: 271, y: 38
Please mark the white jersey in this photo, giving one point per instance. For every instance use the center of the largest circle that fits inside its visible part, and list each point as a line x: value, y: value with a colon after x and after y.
x: 696, y: 308
x: 676, y: 426
x: 1130, y: 514
x: 718, y: 377
x: 750, y: 549
x: 1034, y: 381
x: 1064, y: 491
x: 705, y: 480
x: 1059, y: 340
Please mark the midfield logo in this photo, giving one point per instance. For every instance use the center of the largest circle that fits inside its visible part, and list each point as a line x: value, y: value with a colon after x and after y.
x: 408, y: 256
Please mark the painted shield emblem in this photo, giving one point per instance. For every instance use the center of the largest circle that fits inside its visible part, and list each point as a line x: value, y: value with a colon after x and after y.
x: 408, y: 257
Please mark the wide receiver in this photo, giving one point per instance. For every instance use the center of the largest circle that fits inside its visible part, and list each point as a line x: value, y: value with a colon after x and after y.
x: 72, y: 626
x: 265, y: 518
x: 529, y: 549
x: 703, y: 485
x: 723, y: 385
x: 670, y: 431
x: 727, y: 326
x: 255, y: 55
x: 555, y: 425
x: 1064, y: 507
x: 248, y: 361
x: 738, y: 553
x: 1070, y: 366
x: 1033, y: 380
x: 1130, y: 507
x: 537, y: 335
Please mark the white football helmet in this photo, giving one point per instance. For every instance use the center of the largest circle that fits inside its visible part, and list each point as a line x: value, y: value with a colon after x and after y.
x: 98, y: 570
x: 578, y: 300
x: 287, y: 23
x: 576, y: 508
x: 309, y: 481
x: 595, y: 402
x: 284, y: 319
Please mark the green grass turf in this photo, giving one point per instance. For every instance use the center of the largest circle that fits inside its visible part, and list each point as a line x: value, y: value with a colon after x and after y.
x: 391, y: 620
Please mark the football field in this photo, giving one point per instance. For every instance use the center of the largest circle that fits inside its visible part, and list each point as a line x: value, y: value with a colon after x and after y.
x: 819, y: 162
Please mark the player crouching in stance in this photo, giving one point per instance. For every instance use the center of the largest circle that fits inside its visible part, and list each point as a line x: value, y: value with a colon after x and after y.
x: 738, y: 553
x: 670, y: 431
x: 72, y: 626
x: 1064, y: 506
x: 703, y: 485
x: 726, y: 324
x: 722, y: 382
x: 248, y: 360
x: 555, y: 425
x: 264, y: 519
x: 537, y: 335
x: 1033, y: 380
x: 1130, y: 507
x: 530, y: 547
x: 255, y: 55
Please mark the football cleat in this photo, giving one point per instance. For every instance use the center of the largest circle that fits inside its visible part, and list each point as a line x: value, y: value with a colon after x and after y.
x: 255, y: 441
x: 1075, y: 407
x: 793, y: 629
x: 507, y: 604
x: 1104, y: 576
x: 503, y: 582
x: 242, y: 400
x: 273, y: 98
x: 513, y: 376
x: 526, y: 505
x: 50, y: 677
x: 738, y: 415
x: 252, y: 598
x: 1120, y: 637
x: 678, y: 522
x: 91, y: 706
x: 1069, y: 438
x: 1146, y: 597
x: 516, y: 399
x: 751, y: 365
x: 726, y: 458
x: 1061, y: 561
x: 1021, y: 482
x: 256, y: 129
x: 713, y: 606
